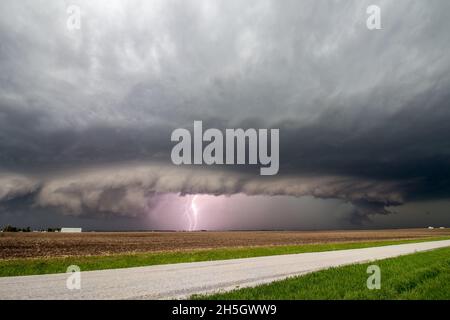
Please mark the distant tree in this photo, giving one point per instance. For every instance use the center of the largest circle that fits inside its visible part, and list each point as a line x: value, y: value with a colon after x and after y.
x: 9, y: 228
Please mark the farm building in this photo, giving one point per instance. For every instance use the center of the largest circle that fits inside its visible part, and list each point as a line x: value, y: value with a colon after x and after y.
x: 70, y: 230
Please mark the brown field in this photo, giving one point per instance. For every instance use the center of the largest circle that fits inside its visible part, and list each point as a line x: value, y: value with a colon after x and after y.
x: 27, y: 245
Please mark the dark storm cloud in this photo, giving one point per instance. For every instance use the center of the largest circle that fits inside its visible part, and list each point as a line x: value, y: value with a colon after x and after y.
x: 16, y: 186
x: 363, y: 115
x: 26, y: 144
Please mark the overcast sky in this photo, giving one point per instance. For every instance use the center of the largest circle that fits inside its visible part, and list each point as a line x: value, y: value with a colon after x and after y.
x: 86, y: 115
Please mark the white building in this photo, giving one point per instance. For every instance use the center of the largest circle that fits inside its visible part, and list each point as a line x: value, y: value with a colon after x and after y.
x: 73, y: 230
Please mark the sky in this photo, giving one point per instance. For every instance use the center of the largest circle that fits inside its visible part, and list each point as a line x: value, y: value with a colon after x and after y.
x: 86, y: 114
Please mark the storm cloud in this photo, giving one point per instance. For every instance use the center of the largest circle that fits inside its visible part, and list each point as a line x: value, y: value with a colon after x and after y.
x: 86, y: 115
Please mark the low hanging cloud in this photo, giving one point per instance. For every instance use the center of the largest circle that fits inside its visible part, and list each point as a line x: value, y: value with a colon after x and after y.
x: 134, y: 190
x: 15, y: 186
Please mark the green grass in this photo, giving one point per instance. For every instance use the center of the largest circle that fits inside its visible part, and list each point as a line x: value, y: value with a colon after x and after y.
x: 16, y: 267
x: 424, y: 275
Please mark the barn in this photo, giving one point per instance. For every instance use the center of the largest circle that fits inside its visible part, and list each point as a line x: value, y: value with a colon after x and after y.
x: 71, y: 230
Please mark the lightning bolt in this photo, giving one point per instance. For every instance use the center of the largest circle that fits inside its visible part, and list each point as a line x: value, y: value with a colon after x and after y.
x: 194, y: 210
x: 191, y: 212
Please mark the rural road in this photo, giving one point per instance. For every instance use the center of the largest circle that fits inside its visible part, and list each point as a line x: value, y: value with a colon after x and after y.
x: 184, y: 279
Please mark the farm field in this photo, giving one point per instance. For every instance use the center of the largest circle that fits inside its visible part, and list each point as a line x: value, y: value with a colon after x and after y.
x: 45, y: 245
x: 44, y: 253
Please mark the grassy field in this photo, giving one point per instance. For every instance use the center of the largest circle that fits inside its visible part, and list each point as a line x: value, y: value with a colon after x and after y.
x: 423, y: 275
x: 29, y: 266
